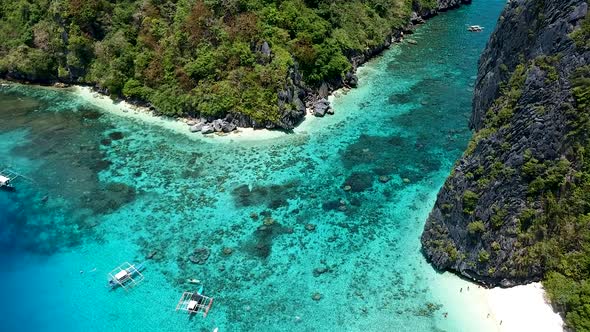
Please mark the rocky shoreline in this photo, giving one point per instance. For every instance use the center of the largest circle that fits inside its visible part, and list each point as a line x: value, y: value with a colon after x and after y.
x: 306, y: 100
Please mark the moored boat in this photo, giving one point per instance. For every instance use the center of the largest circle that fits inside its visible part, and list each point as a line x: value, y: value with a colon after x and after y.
x: 195, y: 303
x: 475, y: 28
x: 125, y: 275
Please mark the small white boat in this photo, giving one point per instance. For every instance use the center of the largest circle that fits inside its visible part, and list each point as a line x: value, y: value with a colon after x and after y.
x: 6, y: 179
x: 475, y: 28
x: 125, y: 275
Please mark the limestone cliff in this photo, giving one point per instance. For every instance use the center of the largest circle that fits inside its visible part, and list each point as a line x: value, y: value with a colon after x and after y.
x: 501, y: 211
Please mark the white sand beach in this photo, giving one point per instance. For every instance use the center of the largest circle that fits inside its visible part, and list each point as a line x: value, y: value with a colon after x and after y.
x: 523, y: 308
x: 125, y: 109
x: 517, y: 309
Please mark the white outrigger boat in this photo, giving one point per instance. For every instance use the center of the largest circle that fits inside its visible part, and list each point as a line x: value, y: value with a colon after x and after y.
x: 195, y: 303
x: 475, y: 28
x: 5, y: 182
x: 125, y: 275
x: 7, y: 177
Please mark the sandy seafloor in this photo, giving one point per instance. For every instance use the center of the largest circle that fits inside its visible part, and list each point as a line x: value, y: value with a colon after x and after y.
x: 108, y: 186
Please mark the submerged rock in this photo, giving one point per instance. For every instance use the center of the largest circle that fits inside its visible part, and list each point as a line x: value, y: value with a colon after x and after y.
x: 116, y: 135
x: 227, y: 251
x: 200, y: 255
x: 384, y: 178
x: 316, y: 296
x: 319, y: 271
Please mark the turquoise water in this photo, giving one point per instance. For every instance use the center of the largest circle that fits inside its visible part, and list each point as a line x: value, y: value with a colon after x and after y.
x: 106, y: 189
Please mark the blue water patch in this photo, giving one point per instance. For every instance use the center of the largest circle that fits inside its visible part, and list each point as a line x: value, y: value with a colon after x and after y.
x: 318, y: 230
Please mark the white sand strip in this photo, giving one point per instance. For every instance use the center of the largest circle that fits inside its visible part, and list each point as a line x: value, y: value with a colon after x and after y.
x: 523, y: 308
x: 517, y: 309
x: 124, y: 109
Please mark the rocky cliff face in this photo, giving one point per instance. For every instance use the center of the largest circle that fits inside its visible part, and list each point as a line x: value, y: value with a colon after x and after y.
x: 523, y: 154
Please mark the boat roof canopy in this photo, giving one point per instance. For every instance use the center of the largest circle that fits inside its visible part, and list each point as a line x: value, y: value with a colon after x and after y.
x: 126, y: 275
x: 4, y: 179
x: 121, y: 274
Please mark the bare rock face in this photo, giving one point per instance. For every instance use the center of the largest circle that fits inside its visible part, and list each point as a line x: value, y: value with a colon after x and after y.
x: 475, y: 224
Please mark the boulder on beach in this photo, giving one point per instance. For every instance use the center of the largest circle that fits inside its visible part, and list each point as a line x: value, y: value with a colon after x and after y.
x: 321, y: 107
x: 217, y: 125
x: 220, y: 125
x: 207, y: 129
x: 228, y: 127
x: 196, y: 128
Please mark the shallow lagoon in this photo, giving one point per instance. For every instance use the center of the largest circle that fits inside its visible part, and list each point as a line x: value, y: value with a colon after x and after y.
x: 108, y: 189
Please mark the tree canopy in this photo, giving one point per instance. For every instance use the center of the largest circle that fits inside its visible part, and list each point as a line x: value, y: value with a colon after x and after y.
x: 198, y: 57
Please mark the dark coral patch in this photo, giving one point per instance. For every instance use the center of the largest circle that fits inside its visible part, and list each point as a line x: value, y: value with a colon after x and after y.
x: 108, y: 198
x: 274, y: 196
x: 359, y: 181
x: 116, y: 135
x: 90, y: 114
x: 260, y: 245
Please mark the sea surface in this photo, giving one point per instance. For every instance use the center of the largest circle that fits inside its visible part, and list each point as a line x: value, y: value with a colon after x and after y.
x: 336, y: 208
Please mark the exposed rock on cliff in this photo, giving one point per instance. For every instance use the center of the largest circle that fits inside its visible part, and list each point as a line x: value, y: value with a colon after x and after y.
x: 496, y: 216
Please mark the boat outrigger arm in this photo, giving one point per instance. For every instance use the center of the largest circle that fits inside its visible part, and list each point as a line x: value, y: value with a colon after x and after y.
x: 126, y: 275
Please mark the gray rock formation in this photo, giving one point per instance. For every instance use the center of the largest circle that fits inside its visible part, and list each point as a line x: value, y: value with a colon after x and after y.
x: 481, y: 210
x: 207, y: 129
x: 196, y: 128
x: 321, y: 107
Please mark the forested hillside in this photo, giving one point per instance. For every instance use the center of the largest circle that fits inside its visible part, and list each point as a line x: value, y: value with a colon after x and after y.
x: 199, y: 57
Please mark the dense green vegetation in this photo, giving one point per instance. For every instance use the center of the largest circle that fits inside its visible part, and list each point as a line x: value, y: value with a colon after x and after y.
x: 194, y: 56
x: 567, y: 217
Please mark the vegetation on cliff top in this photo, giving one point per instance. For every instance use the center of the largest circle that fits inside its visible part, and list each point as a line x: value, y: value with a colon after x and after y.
x: 199, y: 57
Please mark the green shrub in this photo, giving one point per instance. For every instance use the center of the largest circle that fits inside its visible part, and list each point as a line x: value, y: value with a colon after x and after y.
x: 483, y: 256
x: 498, y: 216
x: 470, y: 200
x: 476, y: 227
x: 581, y: 36
x: 495, y: 246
